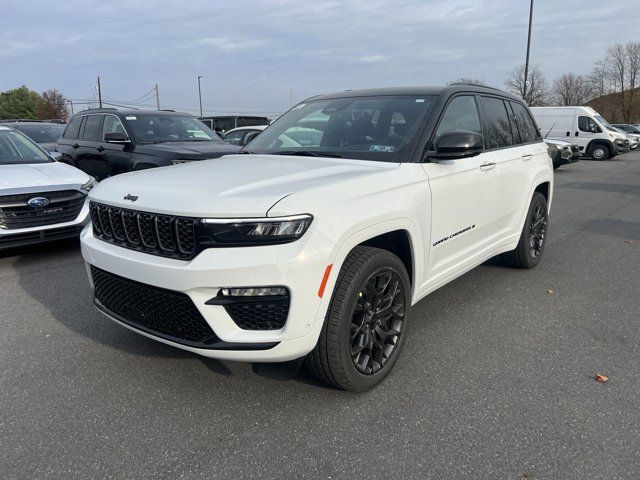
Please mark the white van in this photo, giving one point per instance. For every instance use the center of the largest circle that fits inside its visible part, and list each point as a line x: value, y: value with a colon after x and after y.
x: 582, y: 126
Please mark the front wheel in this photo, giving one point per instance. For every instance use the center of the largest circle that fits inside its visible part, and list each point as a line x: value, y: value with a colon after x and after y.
x: 600, y: 152
x: 533, y: 237
x: 366, y: 323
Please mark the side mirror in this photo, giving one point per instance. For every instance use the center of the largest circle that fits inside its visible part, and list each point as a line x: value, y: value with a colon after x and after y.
x: 116, y: 137
x: 455, y: 145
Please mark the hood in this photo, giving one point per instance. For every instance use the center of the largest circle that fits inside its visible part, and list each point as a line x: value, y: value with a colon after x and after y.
x: 39, y: 177
x: 231, y: 186
x: 189, y: 150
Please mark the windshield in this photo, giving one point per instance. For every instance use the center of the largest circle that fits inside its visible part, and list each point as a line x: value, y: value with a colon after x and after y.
x: 381, y: 128
x: 160, y: 128
x: 16, y: 149
x: 605, y: 123
x: 44, y: 133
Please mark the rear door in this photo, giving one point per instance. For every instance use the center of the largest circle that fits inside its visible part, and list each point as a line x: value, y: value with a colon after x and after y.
x: 68, y: 143
x: 89, y: 153
x: 459, y: 190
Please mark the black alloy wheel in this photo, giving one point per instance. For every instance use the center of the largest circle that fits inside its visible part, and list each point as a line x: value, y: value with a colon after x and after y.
x: 377, y: 321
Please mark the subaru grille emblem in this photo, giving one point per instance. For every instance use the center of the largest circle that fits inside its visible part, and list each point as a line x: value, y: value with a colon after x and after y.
x: 38, y: 202
x: 128, y: 196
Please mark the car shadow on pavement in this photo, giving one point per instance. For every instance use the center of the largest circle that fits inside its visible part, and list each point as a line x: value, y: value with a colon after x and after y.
x: 615, y: 228
x: 63, y: 289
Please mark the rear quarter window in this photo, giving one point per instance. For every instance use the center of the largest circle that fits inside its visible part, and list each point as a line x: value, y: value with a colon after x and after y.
x: 525, y: 124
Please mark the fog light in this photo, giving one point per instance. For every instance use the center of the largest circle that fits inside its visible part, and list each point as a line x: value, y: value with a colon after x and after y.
x: 252, y: 292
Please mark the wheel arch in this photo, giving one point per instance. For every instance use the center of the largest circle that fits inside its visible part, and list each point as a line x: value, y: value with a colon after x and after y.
x: 613, y: 151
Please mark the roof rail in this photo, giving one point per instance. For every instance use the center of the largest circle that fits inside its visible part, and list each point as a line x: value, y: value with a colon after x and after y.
x: 473, y: 85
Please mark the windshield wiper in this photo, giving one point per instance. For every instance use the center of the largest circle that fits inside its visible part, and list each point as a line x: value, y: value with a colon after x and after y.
x: 306, y: 153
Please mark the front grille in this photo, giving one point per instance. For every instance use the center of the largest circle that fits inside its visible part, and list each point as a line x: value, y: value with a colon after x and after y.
x: 164, y: 235
x: 163, y: 312
x: 64, y: 206
x: 270, y: 314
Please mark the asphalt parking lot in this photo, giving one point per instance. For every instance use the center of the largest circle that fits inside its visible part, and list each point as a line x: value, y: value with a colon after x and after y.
x: 496, y: 379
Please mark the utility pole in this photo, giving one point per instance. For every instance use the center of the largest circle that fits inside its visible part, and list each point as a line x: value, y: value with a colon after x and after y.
x: 200, y: 94
x: 157, y: 97
x: 99, y: 94
x: 526, y: 63
x: 291, y: 97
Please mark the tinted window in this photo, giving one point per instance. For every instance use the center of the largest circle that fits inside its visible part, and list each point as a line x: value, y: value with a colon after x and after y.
x: 526, y: 127
x: 252, y: 121
x: 224, y: 124
x: 461, y: 115
x: 91, y: 131
x: 588, y: 124
x: 235, y: 138
x: 382, y: 128
x: 498, y: 127
x: 42, y: 133
x: 111, y: 124
x: 73, y: 128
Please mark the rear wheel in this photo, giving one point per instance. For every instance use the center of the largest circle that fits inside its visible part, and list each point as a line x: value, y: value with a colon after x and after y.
x: 600, y: 152
x: 533, y: 237
x: 365, y: 327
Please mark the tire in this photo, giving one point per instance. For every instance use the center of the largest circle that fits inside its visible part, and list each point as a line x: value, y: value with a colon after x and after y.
x: 351, y: 320
x: 533, y: 237
x: 600, y: 152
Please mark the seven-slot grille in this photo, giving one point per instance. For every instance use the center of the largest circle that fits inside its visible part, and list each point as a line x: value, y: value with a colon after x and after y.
x: 163, y: 235
x: 64, y: 206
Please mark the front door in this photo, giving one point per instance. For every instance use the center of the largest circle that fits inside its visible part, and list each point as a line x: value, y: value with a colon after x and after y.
x: 459, y: 189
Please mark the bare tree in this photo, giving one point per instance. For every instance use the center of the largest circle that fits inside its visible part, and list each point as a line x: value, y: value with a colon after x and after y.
x: 53, y: 105
x: 632, y: 50
x: 537, y: 91
x: 599, y: 79
x: 571, y: 89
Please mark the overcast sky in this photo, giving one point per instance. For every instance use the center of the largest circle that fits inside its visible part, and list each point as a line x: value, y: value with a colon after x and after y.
x: 252, y: 53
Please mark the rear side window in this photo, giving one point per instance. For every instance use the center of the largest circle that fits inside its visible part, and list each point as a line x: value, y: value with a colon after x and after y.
x: 92, y: 128
x: 73, y: 128
x: 461, y: 115
x: 526, y: 127
x: 498, y: 127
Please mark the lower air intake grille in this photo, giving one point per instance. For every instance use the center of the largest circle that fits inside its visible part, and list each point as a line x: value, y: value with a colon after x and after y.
x: 256, y: 315
x: 162, y: 312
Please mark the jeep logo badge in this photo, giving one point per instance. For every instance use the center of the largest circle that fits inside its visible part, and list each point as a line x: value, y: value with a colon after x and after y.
x: 38, y: 202
x: 128, y: 196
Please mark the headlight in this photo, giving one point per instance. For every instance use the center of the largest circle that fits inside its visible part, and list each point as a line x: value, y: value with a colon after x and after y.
x: 226, y: 232
x: 89, y: 185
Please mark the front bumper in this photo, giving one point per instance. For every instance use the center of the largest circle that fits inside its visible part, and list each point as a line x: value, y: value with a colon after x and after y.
x: 299, y: 266
x: 58, y: 231
x: 622, y: 146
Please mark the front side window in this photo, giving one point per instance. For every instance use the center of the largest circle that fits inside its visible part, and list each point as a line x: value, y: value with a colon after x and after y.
x: 498, y: 126
x: 73, y: 128
x: 526, y: 126
x: 92, y: 125
x: 588, y: 124
x: 112, y: 124
x: 16, y: 148
x: 42, y: 133
x: 380, y: 128
x: 235, y: 138
x: 461, y: 115
x: 158, y: 128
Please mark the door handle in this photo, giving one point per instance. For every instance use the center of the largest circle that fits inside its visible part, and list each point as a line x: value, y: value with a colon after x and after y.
x: 75, y: 145
x: 100, y: 148
x: 487, y: 166
x: 527, y: 156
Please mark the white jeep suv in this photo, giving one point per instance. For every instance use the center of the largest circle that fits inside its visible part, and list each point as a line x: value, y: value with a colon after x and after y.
x: 316, y: 239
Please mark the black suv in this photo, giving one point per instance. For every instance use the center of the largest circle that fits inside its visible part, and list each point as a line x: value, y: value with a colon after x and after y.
x: 106, y: 142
